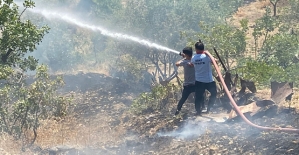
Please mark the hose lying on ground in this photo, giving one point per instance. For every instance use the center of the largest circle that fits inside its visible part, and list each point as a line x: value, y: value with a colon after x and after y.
x: 289, y: 130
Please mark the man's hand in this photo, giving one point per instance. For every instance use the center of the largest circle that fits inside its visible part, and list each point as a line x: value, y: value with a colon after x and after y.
x: 178, y: 63
x: 183, y: 55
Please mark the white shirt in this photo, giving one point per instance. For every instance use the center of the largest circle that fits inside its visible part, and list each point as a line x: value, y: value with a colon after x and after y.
x: 203, y: 68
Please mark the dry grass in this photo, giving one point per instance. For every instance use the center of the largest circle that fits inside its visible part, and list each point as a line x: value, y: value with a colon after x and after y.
x: 252, y: 12
x: 95, y: 132
x: 10, y: 146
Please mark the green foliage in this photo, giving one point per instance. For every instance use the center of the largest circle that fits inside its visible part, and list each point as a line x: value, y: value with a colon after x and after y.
x: 259, y: 72
x: 18, y: 37
x: 5, y: 71
x: 163, y: 20
x: 104, y: 8
x: 157, y: 99
x: 263, y: 27
x: 280, y: 49
x: 224, y: 8
x: 275, y: 52
x: 229, y: 41
x: 292, y: 74
x: 224, y: 37
x: 154, y: 20
x: 262, y: 73
x: 23, y: 107
x: 293, y: 11
x: 290, y: 17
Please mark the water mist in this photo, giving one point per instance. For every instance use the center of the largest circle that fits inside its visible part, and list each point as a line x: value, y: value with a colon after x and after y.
x: 67, y: 18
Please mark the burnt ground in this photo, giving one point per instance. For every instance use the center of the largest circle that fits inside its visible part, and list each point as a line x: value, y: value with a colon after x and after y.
x: 101, y: 123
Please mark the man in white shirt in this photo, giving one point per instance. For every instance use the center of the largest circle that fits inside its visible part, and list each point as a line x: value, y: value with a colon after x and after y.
x: 203, y: 78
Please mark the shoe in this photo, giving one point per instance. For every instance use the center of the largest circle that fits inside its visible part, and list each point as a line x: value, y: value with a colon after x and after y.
x: 177, y: 112
x: 197, y: 114
x: 208, y: 110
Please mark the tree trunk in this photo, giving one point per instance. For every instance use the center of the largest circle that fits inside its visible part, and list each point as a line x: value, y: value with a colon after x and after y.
x: 274, y: 7
x: 274, y: 10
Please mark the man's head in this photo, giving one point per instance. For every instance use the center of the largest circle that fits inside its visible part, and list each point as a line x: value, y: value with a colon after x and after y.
x: 199, y: 46
x: 188, y: 51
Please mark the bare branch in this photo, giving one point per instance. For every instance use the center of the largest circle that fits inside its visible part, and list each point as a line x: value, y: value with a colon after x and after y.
x: 22, y: 13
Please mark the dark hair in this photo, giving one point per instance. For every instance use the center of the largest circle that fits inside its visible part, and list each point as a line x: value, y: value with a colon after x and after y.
x: 199, y: 45
x: 188, y: 51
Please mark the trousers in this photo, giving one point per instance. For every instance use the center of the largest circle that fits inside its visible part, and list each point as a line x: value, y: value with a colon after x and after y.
x: 200, y: 88
x: 185, y: 94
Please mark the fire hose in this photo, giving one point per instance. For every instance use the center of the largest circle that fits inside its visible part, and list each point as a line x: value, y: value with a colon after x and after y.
x: 235, y: 106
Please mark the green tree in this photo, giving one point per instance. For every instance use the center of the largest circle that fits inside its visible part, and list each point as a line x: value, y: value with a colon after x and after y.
x: 280, y: 49
x: 17, y: 38
x: 106, y: 8
x: 259, y: 71
x: 230, y: 41
x: 162, y: 22
x: 22, y: 106
x: 263, y: 27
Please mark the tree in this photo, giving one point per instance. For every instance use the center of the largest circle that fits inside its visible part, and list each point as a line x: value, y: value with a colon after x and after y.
x: 17, y: 38
x: 280, y: 49
x: 262, y: 28
x: 230, y: 41
x: 162, y: 22
x: 261, y: 72
x: 274, y: 4
x: 106, y: 8
x: 22, y: 105
x: 294, y: 11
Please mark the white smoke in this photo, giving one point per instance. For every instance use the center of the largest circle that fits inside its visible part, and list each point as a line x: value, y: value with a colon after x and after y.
x: 190, y: 130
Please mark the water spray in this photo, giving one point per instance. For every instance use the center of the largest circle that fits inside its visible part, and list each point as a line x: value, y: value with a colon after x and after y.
x: 67, y: 18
